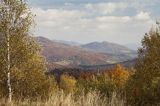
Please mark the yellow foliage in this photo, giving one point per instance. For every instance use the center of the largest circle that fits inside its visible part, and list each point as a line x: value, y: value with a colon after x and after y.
x: 119, y: 75
x: 67, y: 83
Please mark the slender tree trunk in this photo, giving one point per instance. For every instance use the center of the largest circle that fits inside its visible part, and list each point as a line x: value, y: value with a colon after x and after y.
x: 8, y: 67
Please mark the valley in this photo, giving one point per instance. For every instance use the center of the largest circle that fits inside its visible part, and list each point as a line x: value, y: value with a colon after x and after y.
x: 62, y: 54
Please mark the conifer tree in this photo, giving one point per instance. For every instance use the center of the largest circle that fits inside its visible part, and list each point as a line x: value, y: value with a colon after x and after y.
x: 143, y: 88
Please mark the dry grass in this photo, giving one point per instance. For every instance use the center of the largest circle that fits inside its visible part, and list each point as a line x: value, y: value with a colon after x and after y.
x: 61, y: 99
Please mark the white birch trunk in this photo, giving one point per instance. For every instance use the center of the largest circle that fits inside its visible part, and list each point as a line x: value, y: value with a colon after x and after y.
x: 8, y: 67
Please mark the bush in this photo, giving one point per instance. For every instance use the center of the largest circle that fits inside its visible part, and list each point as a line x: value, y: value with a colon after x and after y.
x: 67, y: 83
x: 100, y: 83
x: 30, y: 83
x: 119, y: 75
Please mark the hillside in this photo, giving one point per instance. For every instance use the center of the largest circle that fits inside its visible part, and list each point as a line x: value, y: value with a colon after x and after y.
x: 63, y: 55
x: 66, y: 55
x: 129, y: 64
x: 107, y: 47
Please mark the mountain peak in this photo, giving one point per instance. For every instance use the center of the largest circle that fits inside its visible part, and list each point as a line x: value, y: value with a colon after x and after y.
x: 95, y: 53
x: 107, y: 47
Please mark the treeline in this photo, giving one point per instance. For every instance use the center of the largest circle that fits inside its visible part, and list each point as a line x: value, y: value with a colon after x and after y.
x: 106, y: 82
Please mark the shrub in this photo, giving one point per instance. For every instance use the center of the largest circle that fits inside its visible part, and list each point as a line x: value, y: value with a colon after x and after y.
x: 119, y: 75
x: 100, y: 83
x: 67, y: 83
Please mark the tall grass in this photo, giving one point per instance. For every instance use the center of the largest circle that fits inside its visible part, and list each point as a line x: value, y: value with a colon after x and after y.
x: 61, y: 99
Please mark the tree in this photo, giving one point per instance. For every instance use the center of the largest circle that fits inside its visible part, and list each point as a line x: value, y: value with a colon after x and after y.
x: 119, y: 75
x: 143, y: 87
x: 67, y: 83
x: 22, y: 67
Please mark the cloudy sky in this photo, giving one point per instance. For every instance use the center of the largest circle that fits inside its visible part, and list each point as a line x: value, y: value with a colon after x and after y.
x: 119, y: 21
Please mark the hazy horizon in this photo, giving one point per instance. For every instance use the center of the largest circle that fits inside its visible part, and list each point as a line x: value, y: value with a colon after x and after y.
x: 131, y: 46
x: 83, y: 21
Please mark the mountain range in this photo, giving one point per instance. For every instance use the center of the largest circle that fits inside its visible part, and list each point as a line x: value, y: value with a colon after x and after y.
x: 72, y: 54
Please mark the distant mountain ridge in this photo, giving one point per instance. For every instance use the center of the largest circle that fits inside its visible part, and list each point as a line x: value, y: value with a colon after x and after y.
x: 63, y: 54
x: 107, y: 47
x: 60, y: 54
x: 71, y: 43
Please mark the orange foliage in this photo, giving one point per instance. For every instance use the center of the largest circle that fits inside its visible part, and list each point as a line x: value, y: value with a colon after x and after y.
x: 119, y: 75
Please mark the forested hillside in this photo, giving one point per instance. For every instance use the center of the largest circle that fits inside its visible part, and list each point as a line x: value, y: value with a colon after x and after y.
x: 64, y: 55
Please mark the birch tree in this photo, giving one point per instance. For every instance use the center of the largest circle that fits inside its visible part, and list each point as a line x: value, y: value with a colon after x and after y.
x: 21, y: 65
x: 6, y: 10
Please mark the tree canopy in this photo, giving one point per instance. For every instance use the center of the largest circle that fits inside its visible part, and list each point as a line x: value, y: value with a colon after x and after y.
x: 145, y: 83
x: 27, y: 66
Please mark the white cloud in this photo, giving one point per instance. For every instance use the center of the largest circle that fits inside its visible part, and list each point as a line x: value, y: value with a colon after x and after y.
x: 68, y: 4
x: 114, y: 19
x: 143, y: 16
x: 106, y: 8
x: 77, y: 25
x: 54, y: 14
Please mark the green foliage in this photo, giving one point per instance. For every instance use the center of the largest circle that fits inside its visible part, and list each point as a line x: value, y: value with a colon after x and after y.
x: 67, y: 83
x: 143, y: 88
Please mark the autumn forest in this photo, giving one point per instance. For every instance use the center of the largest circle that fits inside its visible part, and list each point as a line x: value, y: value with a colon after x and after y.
x: 39, y: 72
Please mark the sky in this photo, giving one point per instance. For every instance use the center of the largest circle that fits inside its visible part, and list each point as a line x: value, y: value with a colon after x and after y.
x: 83, y: 21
